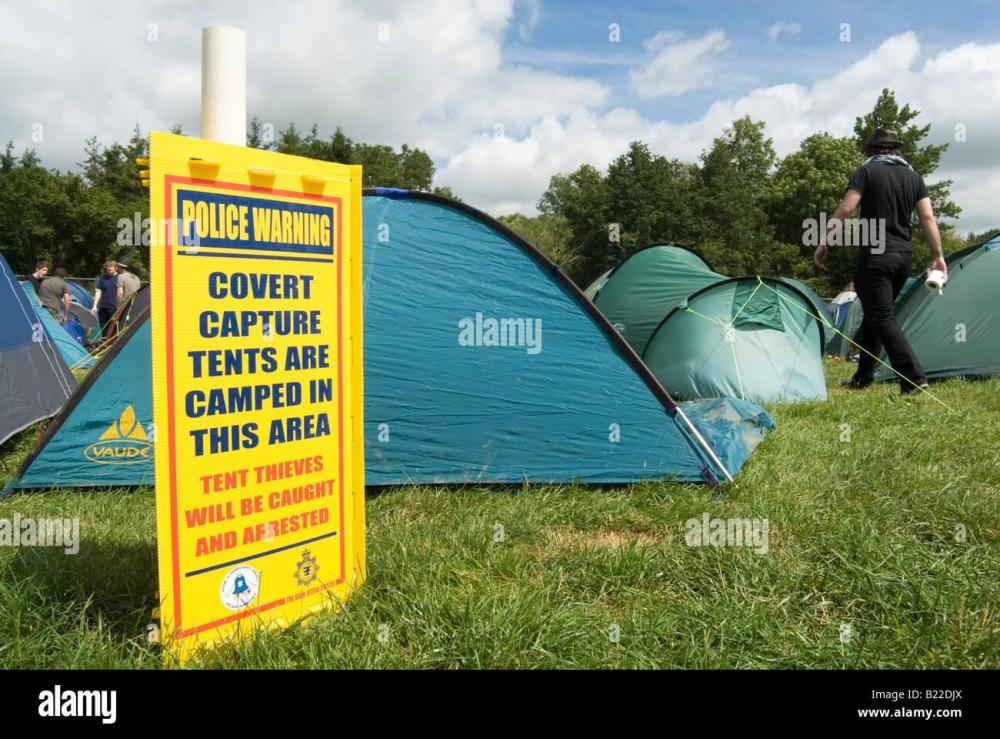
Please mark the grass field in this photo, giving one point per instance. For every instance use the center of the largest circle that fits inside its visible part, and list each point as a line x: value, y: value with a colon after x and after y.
x: 883, y: 552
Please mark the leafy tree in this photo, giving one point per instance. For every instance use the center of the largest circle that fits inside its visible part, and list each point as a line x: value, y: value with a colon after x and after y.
x: 652, y: 198
x: 737, y: 188
x: 581, y: 199
x: 925, y: 159
x: 807, y: 184
x: 548, y: 233
x: 978, y: 238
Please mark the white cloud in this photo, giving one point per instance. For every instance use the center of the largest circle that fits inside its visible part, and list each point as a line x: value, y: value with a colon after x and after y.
x: 527, y: 27
x: 440, y: 82
x: 790, y: 29
x: 959, y: 85
x: 679, y: 65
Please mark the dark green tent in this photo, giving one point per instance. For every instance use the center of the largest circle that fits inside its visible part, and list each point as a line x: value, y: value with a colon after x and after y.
x: 643, y: 288
x: 706, y: 335
x: 956, y: 334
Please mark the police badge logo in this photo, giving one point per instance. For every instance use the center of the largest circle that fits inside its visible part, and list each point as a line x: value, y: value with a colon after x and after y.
x: 306, y: 570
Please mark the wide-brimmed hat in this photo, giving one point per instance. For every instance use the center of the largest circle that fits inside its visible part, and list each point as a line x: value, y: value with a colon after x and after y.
x: 884, y: 138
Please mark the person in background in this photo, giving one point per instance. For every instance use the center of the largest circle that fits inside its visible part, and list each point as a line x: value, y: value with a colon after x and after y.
x: 127, y: 280
x: 106, y: 298
x: 36, y: 277
x: 886, y: 190
x: 54, y: 294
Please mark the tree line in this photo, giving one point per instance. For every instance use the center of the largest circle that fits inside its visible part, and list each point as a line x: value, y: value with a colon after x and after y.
x: 75, y: 219
x: 740, y: 205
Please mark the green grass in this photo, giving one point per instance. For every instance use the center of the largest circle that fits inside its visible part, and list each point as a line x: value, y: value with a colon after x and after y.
x: 862, y: 532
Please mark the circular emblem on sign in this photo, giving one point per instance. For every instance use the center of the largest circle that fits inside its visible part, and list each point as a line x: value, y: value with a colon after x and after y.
x: 620, y: 328
x: 239, y: 588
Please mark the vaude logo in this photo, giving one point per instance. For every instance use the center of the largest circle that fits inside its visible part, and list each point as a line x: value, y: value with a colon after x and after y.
x: 59, y: 703
x: 727, y: 532
x: 125, y: 442
x: 516, y: 332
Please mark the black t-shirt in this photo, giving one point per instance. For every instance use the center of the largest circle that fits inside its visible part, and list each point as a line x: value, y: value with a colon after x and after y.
x: 35, y: 282
x: 889, y: 192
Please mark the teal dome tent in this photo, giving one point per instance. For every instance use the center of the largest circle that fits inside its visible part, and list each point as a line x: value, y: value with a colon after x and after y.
x: 483, y: 363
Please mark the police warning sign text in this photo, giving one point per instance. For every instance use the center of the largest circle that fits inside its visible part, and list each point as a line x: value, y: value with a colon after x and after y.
x: 257, y: 388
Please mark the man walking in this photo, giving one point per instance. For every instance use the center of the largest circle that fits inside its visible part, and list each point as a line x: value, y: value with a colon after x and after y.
x: 887, y: 190
x: 106, y: 298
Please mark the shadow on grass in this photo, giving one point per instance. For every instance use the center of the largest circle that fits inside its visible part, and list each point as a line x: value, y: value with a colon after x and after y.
x: 115, y: 582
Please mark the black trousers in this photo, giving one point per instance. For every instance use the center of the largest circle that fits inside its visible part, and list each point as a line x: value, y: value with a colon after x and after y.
x: 878, y: 278
x: 104, y: 314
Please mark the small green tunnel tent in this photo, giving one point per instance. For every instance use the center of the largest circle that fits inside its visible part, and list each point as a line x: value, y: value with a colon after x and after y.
x: 838, y: 345
x: 662, y: 280
x: 597, y: 284
x: 647, y: 285
x: 817, y: 307
x: 745, y: 337
x: 34, y: 380
x: 957, y: 333
x: 484, y: 363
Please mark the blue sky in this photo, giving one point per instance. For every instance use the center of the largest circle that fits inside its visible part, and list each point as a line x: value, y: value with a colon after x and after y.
x: 564, y: 29
x: 506, y: 93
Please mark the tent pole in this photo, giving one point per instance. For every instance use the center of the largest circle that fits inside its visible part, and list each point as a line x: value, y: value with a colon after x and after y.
x: 704, y: 444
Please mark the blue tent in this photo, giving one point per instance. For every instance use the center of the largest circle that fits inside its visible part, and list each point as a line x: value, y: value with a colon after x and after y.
x: 72, y: 353
x: 34, y: 379
x: 79, y: 294
x: 102, y: 436
x: 483, y: 363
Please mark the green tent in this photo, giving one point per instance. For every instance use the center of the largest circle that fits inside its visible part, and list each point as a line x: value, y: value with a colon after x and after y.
x: 597, y: 284
x: 643, y: 288
x: 747, y: 337
x: 706, y: 335
x: 817, y: 306
x: 956, y: 334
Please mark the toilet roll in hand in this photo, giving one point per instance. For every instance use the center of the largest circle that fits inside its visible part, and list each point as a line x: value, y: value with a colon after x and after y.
x: 936, y: 280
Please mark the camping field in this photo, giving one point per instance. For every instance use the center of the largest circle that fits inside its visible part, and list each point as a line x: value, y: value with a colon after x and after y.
x: 883, y: 551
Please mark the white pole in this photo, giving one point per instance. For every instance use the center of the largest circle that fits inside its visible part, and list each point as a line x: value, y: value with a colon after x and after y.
x: 224, y: 85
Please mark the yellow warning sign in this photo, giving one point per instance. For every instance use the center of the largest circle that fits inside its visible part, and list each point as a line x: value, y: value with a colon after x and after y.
x: 257, y: 387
